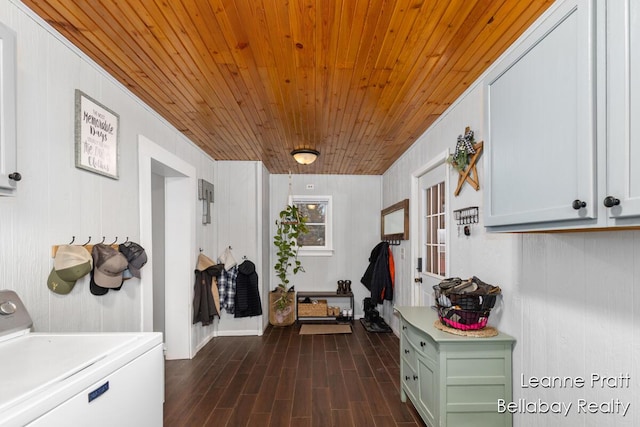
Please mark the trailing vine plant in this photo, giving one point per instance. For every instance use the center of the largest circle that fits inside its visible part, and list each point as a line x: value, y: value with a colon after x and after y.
x: 289, y: 226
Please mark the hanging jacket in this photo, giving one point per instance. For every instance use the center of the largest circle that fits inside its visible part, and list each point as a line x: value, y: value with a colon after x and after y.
x: 204, y: 306
x: 377, y: 278
x: 247, y: 296
x: 227, y: 289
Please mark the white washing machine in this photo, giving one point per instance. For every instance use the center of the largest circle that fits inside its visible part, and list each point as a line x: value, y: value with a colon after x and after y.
x: 76, y: 379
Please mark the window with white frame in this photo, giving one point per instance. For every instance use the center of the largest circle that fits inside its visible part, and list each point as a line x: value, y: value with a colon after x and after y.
x: 435, y: 245
x: 317, y: 209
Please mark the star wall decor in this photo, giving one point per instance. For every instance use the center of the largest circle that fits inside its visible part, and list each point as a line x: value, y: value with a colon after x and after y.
x: 464, y: 160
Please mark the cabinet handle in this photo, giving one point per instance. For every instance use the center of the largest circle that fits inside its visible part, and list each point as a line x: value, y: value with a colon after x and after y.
x: 422, y: 343
x: 611, y: 201
x: 407, y: 377
x: 404, y: 328
x: 577, y: 204
x: 15, y: 176
x: 406, y: 351
x: 415, y: 377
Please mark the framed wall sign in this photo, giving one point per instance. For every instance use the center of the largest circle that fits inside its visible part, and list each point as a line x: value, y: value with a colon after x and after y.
x: 97, y: 134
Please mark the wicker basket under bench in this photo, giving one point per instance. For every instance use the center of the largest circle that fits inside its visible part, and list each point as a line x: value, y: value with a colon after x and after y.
x: 318, y: 309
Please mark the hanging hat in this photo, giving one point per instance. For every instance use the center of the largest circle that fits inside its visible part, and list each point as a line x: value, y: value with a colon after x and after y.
x: 108, y: 266
x: 204, y: 262
x: 94, y: 288
x: 70, y: 264
x: 227, y: 259
x: 136, y: 257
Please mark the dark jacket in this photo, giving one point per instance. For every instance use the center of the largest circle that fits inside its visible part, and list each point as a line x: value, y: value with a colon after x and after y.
x: 377, y: 278
x: 204, y: 308
x: 247, y: 298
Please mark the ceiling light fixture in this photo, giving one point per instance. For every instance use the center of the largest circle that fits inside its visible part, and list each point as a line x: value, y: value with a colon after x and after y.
x: 305, y: 156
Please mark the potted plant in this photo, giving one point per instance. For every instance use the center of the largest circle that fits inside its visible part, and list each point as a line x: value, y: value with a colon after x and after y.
x: 289, y: 226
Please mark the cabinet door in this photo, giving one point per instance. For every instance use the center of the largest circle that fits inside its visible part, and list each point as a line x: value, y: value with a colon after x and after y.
x: 7, y: 110
x: 540, y: 119
x: 429, y: 391
x: 623, y: 96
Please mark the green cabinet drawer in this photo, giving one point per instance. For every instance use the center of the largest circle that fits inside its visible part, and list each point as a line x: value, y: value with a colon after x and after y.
x: 408, y: 353
x: 423, y: 343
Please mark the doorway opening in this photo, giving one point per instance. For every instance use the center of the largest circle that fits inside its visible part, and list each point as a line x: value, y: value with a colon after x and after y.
x: 168, y: 194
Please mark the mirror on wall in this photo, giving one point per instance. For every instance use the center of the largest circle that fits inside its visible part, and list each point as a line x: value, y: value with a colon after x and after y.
x: 394, y: 222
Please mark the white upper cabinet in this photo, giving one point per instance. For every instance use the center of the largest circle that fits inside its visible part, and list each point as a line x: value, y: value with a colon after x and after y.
x: 540, y: 124
x: 623, y: 111
x: 562, y: 149
x: 8, y: 175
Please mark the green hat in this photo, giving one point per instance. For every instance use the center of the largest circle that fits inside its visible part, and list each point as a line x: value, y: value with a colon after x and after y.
x: 70, y: 264
x: 57, y: 285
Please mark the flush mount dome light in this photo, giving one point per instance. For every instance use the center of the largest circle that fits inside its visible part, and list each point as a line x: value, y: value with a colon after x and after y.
x: 305, y: 156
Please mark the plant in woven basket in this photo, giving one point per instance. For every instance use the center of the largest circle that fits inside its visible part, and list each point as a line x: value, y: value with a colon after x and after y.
x: 289, y: 227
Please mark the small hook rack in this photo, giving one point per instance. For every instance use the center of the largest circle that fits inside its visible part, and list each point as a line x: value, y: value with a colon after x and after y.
x: 465, y: 217
x: 393, y: 242
x: 87, y: 245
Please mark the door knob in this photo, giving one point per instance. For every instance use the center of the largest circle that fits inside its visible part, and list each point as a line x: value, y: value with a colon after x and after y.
x: 611, y: 201
x: 577, y: 204
x: 15, y: 176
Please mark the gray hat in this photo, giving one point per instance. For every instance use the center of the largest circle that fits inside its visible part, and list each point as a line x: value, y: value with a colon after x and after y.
x: 108, y: 266
x: 135, y: 255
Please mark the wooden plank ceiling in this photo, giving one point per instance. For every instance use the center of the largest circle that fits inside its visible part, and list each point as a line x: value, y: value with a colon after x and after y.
x: 357, y: 80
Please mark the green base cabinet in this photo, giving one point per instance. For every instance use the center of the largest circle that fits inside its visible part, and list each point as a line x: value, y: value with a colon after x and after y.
x: 453, y: 380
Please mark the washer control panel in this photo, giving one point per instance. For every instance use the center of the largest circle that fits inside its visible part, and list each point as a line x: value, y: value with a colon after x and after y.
x: 14, y: 316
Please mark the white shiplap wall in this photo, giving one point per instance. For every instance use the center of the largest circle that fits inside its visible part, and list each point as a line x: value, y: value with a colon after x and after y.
x: 570, y: 299
x: 356, y: 213
x: 239, y: 222
x: 55, y: 200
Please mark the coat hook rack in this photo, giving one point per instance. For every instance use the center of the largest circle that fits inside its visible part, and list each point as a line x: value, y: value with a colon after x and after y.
x: 87, y: 245
x: 465, y: 217
x: 393, y: 242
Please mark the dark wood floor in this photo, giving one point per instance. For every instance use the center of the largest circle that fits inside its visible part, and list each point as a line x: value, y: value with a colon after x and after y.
x: 287, y: 379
